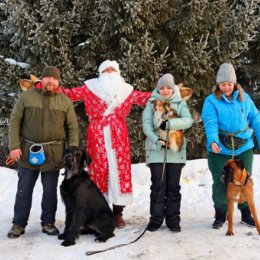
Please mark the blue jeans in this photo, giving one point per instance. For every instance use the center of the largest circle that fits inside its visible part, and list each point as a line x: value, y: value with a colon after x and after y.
x: 23, y: 201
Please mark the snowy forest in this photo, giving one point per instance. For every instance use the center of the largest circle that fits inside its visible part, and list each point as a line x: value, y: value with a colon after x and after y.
x: 188, y: 38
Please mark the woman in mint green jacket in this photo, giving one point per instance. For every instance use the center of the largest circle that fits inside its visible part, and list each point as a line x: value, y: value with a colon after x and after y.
x: 165, y: 194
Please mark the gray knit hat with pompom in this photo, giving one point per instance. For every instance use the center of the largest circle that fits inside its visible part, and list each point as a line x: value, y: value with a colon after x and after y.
x: 226, y: 73
x: 167, y: 80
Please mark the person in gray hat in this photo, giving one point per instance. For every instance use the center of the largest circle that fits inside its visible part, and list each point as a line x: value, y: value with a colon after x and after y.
x: 42, y: 123
x: 230, y: 117
x: 165, y: 197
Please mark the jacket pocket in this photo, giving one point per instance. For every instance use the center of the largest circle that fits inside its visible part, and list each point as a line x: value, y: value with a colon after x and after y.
x: 150, y: 146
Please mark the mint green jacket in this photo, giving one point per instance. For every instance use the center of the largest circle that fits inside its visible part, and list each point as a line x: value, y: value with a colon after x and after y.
x: 153, y: 148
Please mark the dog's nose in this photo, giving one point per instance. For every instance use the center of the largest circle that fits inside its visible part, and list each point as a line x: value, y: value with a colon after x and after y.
x: 68, y: 158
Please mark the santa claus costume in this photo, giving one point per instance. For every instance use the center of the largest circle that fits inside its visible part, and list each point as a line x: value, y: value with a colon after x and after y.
x: 108, y: 100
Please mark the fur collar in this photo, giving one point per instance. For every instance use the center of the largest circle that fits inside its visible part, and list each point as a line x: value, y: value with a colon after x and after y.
x: 240, y: 90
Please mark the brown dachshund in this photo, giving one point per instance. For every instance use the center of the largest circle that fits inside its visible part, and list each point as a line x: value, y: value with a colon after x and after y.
x: 239, y: 189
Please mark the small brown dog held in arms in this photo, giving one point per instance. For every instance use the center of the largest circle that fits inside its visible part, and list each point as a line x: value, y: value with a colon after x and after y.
x: 163, y: 111
x: 239, y: 189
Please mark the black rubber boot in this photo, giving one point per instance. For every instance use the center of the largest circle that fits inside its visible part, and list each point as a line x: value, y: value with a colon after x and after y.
x: 153, y: 226
x: 246, y: 217
x: 220, y: 218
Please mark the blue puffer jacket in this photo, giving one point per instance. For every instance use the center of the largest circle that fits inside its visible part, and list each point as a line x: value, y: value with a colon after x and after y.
x: 231, y: 116
x: 153, y: 147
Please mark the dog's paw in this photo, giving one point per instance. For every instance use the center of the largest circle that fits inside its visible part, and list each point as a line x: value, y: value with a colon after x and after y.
x: 230, y: 233
x: 100, y: 239
x: 68, y: 243
x: 62, y: 236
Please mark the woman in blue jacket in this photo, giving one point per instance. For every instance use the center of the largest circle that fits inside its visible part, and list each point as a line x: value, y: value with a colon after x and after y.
x: 229, y: 113
x: 165, y: 195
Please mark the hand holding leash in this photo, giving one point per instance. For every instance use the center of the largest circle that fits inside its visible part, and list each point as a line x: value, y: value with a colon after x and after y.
x: 15, y: 154
x: 215, y: 148
x: 163, y: 143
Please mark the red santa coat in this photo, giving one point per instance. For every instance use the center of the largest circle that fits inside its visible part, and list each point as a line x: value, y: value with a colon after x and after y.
x: 95, y: 108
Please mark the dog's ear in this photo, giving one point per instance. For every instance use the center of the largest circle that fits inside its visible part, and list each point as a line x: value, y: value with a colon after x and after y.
x: 84, y: 156
x: 28, y: 82
x: 228, y: 174
x: 167, y: 106
x: 155, y: 103
x: 88, y: 159
x: 185, y: 92
x: 240, y: 164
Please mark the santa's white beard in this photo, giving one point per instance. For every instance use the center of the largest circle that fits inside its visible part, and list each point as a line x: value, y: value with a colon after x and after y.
x: 109, y: 86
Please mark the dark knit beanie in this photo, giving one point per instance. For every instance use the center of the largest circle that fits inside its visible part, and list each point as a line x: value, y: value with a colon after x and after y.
x: 51, y: 71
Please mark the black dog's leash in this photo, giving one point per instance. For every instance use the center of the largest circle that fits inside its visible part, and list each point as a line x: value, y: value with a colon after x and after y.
x: 113, y: 247
x: 162, y: 181
x: 165, y: 156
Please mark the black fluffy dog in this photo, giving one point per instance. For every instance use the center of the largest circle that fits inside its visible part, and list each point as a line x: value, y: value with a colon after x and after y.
x: 85, y: 204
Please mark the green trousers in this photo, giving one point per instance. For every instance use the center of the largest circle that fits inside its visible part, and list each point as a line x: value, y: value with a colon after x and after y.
x: 216, y: 163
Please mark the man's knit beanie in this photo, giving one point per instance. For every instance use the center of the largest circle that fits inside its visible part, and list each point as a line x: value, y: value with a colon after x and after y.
x: 51, y: 71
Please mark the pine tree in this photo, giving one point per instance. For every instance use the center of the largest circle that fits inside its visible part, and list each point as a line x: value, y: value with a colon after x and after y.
x: 249, y: 75
x: 202, y: 35
x: 188, y: 38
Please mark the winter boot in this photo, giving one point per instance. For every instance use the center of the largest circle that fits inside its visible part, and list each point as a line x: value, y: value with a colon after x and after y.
x: 246, y: 217
x: 172, y: 212
x: 152, y: 226
x: 220, y: 218
x: 15, y: 231
x: 50, y: 229
x: 118, y: 213
x: 175, y: 228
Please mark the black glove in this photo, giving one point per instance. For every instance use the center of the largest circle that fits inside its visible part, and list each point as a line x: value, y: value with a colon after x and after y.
x: 73, y: 148
x: 162, y: 142
x: 163, y: 125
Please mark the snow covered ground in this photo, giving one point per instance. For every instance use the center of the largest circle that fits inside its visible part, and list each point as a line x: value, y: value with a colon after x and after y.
x: 196, y: 241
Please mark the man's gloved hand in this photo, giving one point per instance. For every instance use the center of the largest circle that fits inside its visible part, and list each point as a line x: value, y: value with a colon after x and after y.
x: 163, y: 125
x: 73, y: 149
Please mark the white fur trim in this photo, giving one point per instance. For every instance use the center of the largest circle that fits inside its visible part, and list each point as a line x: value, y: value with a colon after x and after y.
x: 108, y: 63
x: 122, y: 93
x: 114, y: 195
